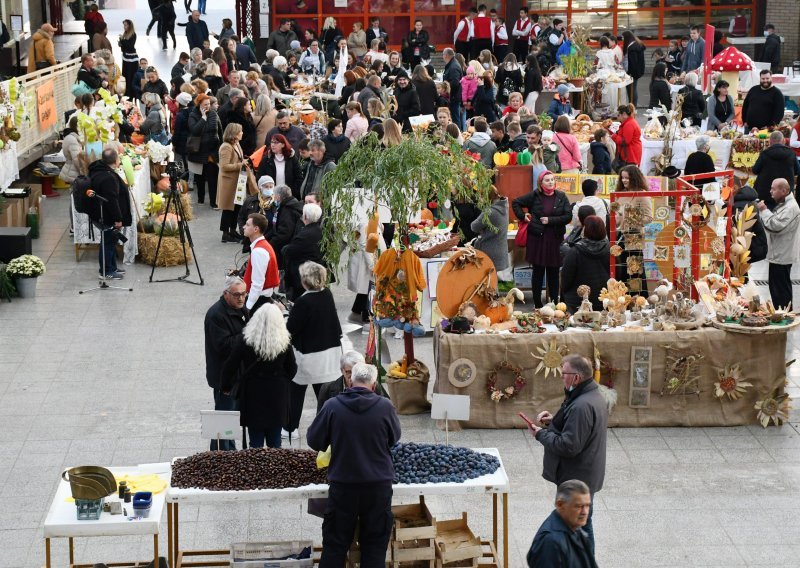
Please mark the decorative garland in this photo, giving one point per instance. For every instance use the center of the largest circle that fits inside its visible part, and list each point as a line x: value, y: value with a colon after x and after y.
x: 496, y: 394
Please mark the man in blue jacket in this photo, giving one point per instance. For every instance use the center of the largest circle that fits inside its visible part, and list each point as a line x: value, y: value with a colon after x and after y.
x: 360, y: 427
x: 561, y: 541
x: 694, y: 52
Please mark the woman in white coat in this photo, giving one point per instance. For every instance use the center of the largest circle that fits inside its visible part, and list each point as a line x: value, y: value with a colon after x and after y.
x: 72, y: 148
x: 360, y: 269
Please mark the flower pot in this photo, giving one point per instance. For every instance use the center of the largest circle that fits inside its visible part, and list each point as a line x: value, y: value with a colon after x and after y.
x: 577, y: 81
x: 26, y: 287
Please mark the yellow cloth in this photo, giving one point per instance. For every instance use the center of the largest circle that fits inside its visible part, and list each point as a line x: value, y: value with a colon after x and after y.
x: 391, y: 263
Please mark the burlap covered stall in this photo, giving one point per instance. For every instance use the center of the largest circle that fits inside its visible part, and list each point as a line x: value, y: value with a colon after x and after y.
x: 762, y: 360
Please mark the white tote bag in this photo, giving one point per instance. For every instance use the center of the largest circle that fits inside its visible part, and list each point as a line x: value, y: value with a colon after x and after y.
x: 241, y: 188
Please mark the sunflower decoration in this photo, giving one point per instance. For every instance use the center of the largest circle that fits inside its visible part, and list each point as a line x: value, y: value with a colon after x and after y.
x: 550, y: 356
x: 774, y: 407
x: 730, y: 383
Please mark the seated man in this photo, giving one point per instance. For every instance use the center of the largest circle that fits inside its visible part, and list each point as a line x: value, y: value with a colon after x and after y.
x: 334, y: 388
x: 561, y: 541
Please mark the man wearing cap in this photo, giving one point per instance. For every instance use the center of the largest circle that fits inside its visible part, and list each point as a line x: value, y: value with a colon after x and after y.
x: 560, y: 104
x: 42, y: 53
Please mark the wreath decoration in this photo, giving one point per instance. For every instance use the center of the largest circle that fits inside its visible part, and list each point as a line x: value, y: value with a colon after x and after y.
x: 497, y: 394
x: 695, y: 211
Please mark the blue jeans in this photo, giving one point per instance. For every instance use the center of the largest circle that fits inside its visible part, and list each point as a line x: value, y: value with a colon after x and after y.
x: 108, y: 252
x: 201, y: 6
x: 224, y: 402
x: 259, y: 437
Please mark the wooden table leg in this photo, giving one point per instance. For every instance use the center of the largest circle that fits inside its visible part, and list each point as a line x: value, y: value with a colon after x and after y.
x: 47, y: 553
x: 170, y: 557
x: 505, y: 530
x: 176, y: 531
x: 71, y: 551
x: 494, y: 518
x: 155, y: 550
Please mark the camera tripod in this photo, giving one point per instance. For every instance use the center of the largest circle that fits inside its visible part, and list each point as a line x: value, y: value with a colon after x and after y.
x: 103, y: 281
x: 174, y: 170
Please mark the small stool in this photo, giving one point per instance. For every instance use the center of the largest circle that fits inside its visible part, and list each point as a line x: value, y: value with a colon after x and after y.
x: 47, y: 184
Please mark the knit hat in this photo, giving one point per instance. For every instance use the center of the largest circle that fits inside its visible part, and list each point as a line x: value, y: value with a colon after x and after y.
x: 547, y: 135
x: 563, y: 90
x: 400, y: 74
x: 184, y: 99
x: 294, y: 44
x: 264, y: 180
x: 200, y: 98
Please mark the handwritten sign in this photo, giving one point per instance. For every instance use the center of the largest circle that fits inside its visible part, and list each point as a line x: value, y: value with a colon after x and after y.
x: 46, y: 105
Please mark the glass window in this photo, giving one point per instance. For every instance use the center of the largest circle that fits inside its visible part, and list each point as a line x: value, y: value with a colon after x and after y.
x: 329, y: 7
x: 389, y: 6
x: 636, y: 4
x: 551, y: 5
x: 434, y: 6
x: 304, y: 24
x: 730, y: 2
x: 592, y: 4
x: 292, y: 7
x: 721, y: 19
x: 684, y: 3
x: 397, y: 28
x: 439, y: 28
x: 643, y: 23
x: 677, y: 23
x: 600, y: 22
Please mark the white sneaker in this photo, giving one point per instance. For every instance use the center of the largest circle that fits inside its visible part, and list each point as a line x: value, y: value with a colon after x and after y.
x: 398, y: 334
x: 365, y: 329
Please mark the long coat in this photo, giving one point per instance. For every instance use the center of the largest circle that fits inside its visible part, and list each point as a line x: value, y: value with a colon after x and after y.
x: 230, y: 164
x: 42, y: 47
x: 263, y: 385
x: 223, y: 325
x: 303, y: 247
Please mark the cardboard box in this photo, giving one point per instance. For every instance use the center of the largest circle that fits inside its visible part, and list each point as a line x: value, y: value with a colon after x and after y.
x: 523, y: 276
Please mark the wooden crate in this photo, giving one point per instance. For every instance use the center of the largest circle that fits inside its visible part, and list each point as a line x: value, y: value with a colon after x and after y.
x: 455, y: 541
x: 488, y: 559
x: 412, y: 536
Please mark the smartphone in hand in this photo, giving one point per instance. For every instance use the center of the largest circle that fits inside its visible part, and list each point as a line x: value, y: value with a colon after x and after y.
x: 527, y: 420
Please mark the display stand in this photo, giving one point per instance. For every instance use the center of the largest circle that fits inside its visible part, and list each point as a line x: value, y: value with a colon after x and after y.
x: 61, y: 521
x: 495, y: 484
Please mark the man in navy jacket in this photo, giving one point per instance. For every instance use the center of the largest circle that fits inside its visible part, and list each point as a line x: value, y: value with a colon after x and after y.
x: 360, y: 427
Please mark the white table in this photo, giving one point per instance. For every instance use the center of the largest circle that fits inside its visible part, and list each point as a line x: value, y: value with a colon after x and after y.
x: 9, y: 170
x: 495, y: 484
x: 62, y: 520
x: 138, y: 192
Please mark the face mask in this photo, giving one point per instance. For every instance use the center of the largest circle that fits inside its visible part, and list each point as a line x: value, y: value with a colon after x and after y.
x: 266, y: 192
x: 766, y: 34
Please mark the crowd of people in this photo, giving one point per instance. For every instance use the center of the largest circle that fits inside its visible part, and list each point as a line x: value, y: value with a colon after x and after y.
x: 223, y: 110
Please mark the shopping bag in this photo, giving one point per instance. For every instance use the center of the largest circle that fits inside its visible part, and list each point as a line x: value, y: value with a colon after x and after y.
x: 241, y: 188
x: 521, y: 240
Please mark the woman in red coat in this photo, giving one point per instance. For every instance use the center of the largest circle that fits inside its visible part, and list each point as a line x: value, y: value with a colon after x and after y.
x: 628, y: 137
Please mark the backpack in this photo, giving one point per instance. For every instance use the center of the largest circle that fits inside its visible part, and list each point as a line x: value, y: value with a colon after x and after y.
x: 79, y: 197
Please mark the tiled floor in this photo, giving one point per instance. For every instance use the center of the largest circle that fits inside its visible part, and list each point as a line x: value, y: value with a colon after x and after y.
x: 118, y: 378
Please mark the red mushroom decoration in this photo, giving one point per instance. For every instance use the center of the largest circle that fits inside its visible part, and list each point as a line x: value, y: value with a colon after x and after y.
x: 730, y: 61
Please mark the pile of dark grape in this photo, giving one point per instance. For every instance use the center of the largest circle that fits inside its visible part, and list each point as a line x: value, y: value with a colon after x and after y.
x: 439, y: 463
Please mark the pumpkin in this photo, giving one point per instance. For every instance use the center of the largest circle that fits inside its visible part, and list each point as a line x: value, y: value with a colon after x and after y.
x: 497, y: 313
x: 512, y: 158
x: 426, y: 215
x: 168, y: 224
x: 500, y: 159
x: 561, y: 306
x: 524, y: 158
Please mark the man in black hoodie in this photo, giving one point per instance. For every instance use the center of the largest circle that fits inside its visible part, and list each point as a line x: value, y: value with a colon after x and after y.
x: 110, y: 210
x: 360, y: 427
x: 777, y: 161
x: 763, y: 106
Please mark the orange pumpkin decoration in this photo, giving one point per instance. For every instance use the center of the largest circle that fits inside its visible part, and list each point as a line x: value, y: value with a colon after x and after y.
x: 426, y: 215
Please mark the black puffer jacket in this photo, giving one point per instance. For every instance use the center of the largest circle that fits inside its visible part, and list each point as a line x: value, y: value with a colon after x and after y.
x: 407, y: 105
x: 288, y: 213
x: 585, y: 263
x: 209, y: 130
x: 181, y: 133
x: 758, y: 246
x: 108, y: 185
x: 777, y: 161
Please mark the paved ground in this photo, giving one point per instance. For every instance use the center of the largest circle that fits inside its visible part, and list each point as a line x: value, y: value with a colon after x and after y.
x: 117, y: 378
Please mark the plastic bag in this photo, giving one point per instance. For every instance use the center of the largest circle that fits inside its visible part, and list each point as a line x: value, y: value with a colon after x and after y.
x: 324, y: 458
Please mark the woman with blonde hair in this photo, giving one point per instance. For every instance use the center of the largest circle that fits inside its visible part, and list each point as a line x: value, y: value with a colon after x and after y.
x: 316, y: 338
x: 263, y: 117
x: 231, y: 164
x: 357, y: 123
x: 357, y: 40
x: 329, y: 36
x: 213, y: 75
x: 375, y: 109
x: 262, y: 364
x: 392, y: 134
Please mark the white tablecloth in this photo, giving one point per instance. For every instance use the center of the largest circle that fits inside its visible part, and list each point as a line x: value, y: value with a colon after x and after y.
x: 720, y: 151
x: 62, y: 520
x: 9, y: 170
x: 138, y: 192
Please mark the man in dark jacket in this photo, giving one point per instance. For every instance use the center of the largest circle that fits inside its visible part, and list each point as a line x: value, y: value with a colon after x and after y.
x: 758, y: 245
x: 334, y: 388
x: 560, y: 541
x: 223, y: 325
x: 360, y: 427
x: 281, y: 39
x: 407, y: 101
x: 317, y: 168
x: 574, y: 439
x: 772, y: 49
x: 288, y: 213
x: 196, y: 31
x: 244, y: 55
x: 283, y: 125
x: 88, y: 74
x: 776, y: 161
x: 371, y: 91
x: 453, y: 75
x: 764, y: 104
x: 304, y: 246
x: 110, y: 209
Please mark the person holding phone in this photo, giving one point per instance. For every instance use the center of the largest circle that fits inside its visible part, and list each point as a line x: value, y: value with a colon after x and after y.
x: 574, y: 439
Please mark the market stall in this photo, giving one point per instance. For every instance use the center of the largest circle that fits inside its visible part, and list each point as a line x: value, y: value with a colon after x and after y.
x: 761, y: 360
x: 62, y: 519
x: 495, y: 484
x: 651, y: 149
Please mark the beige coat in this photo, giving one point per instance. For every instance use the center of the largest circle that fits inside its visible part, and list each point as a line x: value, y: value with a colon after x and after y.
x: 263, y: 126
x: 357, y: 43
x: 230, y: 164
x: 42, y: 47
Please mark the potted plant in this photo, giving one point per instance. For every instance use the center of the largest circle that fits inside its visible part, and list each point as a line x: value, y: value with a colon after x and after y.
x: 575, y: 67
x: 26, y: 269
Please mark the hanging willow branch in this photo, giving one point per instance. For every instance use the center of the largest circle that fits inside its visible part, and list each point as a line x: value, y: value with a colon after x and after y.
x: 403, y: 178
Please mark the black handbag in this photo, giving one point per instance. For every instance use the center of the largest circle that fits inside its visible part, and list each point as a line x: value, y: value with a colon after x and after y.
x: 193, y: 144
x: 40, y: 64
